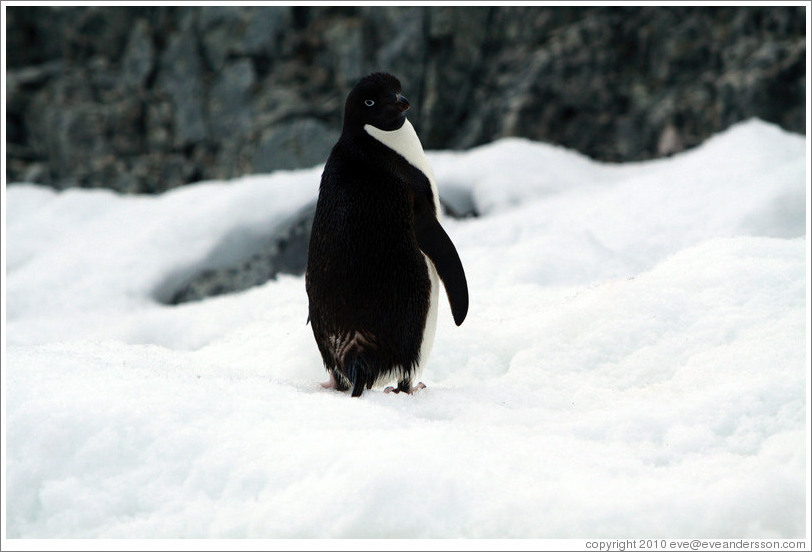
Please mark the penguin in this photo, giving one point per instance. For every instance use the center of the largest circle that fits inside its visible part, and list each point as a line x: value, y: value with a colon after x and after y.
x: 377, y: 249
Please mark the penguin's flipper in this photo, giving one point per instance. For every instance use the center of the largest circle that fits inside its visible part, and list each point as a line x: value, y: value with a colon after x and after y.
x: 437, y: 246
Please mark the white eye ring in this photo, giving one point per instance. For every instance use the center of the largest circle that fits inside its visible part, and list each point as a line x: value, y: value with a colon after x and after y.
x: 369, y: 103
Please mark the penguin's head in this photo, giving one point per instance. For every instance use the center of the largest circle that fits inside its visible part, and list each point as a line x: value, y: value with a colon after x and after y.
x: 376, y: 101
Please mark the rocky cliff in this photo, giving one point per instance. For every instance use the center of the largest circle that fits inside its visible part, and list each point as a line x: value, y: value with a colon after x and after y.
x: 142, y: 99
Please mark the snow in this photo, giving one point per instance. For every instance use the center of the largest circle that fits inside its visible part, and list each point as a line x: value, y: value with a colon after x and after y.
x: 634, y: 362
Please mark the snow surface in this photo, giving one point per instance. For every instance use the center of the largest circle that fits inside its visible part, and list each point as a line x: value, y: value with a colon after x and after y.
x: 633, y: 364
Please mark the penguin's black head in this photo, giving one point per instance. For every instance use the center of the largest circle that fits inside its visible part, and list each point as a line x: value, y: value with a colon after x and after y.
x: 375, y: 101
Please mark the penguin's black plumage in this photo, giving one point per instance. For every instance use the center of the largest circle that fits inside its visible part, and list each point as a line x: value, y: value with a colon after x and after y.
x: 377, y: 247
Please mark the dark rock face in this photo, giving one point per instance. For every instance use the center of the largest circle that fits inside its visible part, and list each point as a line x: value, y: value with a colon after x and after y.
x: 283, y: 252
x: 143, y: 99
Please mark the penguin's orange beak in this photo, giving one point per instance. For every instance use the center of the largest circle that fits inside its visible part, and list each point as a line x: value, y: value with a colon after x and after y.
x: 401, y: 103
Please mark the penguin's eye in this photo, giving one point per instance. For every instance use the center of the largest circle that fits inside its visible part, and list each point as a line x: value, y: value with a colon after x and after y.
x: 369, y: 103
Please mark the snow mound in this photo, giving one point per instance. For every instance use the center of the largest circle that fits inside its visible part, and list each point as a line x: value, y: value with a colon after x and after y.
x: 634, y: 362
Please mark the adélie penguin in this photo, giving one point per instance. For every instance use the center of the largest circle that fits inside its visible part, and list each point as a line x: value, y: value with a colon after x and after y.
x: 377, y: 250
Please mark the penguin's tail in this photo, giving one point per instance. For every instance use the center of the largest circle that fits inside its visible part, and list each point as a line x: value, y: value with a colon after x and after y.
x: 359, y: 373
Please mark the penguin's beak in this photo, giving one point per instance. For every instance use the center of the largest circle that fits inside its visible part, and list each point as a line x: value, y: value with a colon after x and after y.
x: 401, y: 103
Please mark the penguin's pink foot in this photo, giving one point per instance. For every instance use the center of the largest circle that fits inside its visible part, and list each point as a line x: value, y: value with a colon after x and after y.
x: 420, y: 385
x: 331, y: 383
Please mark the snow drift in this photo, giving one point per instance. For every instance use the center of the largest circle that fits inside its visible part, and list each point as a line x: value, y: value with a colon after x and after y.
x: 633, y: 364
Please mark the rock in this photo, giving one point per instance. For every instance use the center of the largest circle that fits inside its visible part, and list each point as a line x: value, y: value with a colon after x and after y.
x: 30, y: 78
x: 451, y: 73
x: 96, y: 31
x: 343, y: 51
x: 139, y: 56
x: 122, y: 123
x: 71, y: 139
x: 404, y: 47
x: 21, y: 85
x: 669, y: 142
x: 230, y: 108
x: 233, y: 31
x: 263, y: 31
x: 283, y: 252
x: 171, y: 94
x: 34, y: 36
x: 159, y: 124
x: 181, y: 78
x: 218, y: 27
x: 295, y: 144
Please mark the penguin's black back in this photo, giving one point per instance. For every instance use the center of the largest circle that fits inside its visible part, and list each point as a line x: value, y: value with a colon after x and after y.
x: 367, y: 280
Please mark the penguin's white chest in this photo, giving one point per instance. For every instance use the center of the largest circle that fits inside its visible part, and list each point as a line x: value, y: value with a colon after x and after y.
x: 405, y: 142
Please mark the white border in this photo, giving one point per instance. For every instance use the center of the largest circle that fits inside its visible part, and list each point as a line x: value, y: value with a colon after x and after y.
x: 366, y: 544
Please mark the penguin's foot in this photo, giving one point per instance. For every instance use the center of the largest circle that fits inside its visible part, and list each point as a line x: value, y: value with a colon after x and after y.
x: 332, y: 383
x: 411, y: 390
